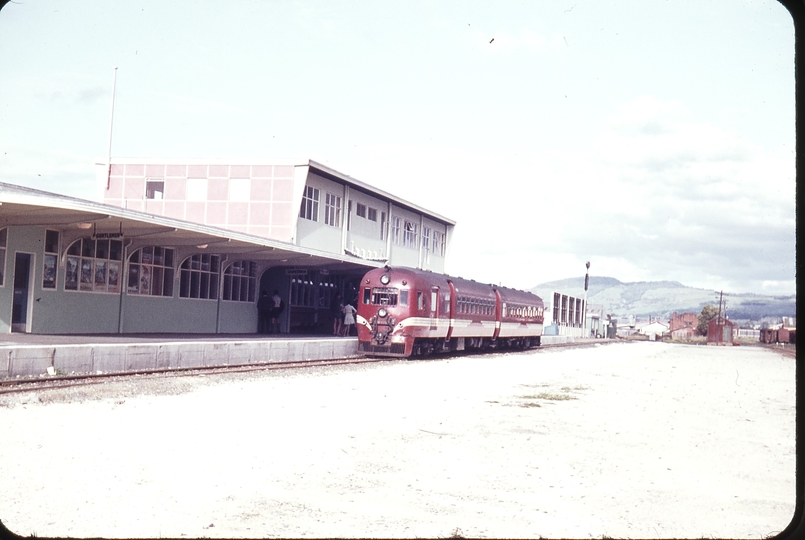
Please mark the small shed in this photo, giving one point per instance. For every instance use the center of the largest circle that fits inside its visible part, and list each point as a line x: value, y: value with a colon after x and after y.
x: 719, y: 331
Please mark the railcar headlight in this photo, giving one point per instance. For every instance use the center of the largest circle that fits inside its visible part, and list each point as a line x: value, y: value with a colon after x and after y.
x: 382, y: 312
x: 384, y: 279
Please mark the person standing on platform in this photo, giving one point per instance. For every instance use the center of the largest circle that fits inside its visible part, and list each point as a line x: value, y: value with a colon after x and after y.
x: 337, y: 312
x: 276, y: 309
x: 265, y: 307
x: 349, y: 318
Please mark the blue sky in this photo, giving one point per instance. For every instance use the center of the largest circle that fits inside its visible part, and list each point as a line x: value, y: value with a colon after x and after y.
x: 652, y: 138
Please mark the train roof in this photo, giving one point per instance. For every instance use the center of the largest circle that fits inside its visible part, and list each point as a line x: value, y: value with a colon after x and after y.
x: 507, y: 294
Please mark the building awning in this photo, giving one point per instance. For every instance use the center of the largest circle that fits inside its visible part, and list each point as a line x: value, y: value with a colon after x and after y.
x: 21, y: 206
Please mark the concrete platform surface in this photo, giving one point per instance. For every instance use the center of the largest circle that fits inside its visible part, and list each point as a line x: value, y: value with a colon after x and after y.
x: 31, y: 355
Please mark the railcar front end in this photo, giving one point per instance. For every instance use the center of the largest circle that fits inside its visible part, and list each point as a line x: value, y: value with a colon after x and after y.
x: 383, y: 313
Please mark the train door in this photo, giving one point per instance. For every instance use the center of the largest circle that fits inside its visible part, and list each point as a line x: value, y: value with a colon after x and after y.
x: 434, y: 308
x: 450, y: 309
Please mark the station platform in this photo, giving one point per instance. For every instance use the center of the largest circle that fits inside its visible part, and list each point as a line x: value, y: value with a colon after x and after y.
x: 30, y: 355
x: 45, y: 355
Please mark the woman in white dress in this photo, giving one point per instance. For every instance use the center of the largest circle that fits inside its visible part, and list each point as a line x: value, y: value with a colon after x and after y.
x: 349, y: 318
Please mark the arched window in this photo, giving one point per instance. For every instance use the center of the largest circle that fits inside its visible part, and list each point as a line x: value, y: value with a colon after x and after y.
x: 93, y: 266
x: 151, y: 272
x: 199, y: 277
x: 240, y: 281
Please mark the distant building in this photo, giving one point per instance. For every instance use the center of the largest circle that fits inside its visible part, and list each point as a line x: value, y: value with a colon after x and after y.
x: 683, y: 326
x: 654, y: 329
x: 719, y: 331
x: 564, y: 316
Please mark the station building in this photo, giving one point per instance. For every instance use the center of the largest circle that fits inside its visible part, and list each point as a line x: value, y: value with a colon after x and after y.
x: 188, y: 246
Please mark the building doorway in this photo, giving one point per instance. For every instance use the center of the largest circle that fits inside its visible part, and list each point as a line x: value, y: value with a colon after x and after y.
x: 21, y: 307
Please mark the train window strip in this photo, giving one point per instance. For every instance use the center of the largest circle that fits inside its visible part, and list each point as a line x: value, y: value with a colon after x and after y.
x: 475, y: 306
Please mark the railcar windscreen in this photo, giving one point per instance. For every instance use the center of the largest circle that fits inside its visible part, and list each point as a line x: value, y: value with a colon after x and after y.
x: 385, y: 296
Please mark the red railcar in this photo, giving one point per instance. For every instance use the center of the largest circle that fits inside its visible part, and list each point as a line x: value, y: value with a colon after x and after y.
x: 405, y: 312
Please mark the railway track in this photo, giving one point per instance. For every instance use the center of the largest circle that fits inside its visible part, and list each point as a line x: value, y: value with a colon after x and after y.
x: 14, y: 386
x: 11, y: 386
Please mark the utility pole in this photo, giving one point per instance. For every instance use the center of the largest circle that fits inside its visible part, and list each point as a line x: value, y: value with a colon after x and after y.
x: 722, y: 307
x: 584, y: 308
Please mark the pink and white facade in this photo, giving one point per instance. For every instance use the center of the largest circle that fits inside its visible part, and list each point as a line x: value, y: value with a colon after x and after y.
x: 300, y: 202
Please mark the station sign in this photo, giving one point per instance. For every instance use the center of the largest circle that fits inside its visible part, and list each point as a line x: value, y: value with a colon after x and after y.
x: 107, y: 235
x: 296, y: 271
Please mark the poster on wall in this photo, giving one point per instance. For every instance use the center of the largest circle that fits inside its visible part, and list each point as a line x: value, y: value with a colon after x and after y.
x: 134, y: 279
x: 49, y: 272
x: 100, y: 276
x: 114, y: 277
x: 71, y: 274
x: 145, y: 280
x: 86, y: 274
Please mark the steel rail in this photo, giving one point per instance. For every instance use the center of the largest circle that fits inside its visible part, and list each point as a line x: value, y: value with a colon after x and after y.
x: 71, y: 381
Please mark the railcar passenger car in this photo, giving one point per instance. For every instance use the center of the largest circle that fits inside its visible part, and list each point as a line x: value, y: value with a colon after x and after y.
x: 408, y: 312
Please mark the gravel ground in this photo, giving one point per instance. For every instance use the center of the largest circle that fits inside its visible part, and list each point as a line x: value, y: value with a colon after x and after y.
x: 625, y: 440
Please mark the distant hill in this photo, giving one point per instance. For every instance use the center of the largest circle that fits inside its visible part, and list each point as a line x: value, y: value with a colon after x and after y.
x: 662, y: 298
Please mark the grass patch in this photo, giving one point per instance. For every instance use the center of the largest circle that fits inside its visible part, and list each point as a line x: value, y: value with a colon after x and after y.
x: 552, y: 397
x: 530, y: 404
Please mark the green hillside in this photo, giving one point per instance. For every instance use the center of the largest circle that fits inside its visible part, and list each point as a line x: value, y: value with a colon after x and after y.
x: 662, y: 298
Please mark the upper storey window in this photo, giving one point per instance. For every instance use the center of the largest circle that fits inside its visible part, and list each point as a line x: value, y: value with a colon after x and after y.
x: 410, y: 234
x: 437, y: 245
x: 196, y: 189
x: 155, y: 189
x: 332, y: 210
x: 310, y: 204
x: 93, y: 266
x: 151, y: 272
x: 395, y: 229
x: 240, y: 189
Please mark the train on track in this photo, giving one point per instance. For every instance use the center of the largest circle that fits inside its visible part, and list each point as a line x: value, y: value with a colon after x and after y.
x: 408, y: 312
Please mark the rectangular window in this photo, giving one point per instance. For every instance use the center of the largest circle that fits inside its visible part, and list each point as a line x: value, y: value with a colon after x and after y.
x: 386, y: 296
x: 383, y: 226
x: 426, y: 238
x: 155, y: 189
x: 51, y: 259
x: 395, y: 230
x: 332, y: 210
x: 556, y: 303
x: 372, y: 215
x: 437, y: 246
x: 361, y: 210
x: 240, y: 189
x: 410, y: 236
x: 310, y: 204
x: 404, y: 297
x: 196, y: 189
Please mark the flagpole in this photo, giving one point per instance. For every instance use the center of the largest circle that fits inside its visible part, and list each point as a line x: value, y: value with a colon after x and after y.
x: 109, y: 147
